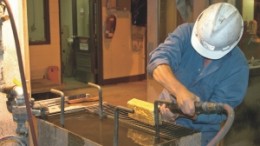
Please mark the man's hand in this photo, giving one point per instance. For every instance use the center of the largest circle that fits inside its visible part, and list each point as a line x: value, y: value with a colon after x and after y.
x: 167, y: 115
x: 185, y: 100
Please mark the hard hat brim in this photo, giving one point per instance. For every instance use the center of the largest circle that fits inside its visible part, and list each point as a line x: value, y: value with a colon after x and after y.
x: 204, y: 51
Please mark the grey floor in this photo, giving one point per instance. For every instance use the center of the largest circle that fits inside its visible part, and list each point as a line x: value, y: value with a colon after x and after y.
x: 71, y: 83
x: 244, y: 132
x: 116, y: 94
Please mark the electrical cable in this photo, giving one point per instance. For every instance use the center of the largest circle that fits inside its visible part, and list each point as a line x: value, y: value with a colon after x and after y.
x: 22, y: 75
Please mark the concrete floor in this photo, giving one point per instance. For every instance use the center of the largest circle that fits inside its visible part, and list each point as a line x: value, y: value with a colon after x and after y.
x: 116, y: 94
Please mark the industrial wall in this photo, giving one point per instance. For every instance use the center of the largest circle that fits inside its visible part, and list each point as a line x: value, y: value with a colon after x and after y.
x: 124, y: 53
x: 43, y: 56
x: 158, y: 28
x: 123, y: 56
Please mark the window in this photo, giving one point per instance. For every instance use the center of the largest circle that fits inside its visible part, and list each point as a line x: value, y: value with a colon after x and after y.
x: 38, y: 21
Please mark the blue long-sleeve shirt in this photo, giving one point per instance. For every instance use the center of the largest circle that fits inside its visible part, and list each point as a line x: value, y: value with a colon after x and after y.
x: 224, y: 80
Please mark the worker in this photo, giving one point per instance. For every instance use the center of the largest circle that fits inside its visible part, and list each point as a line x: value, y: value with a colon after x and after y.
x: 201, y: 62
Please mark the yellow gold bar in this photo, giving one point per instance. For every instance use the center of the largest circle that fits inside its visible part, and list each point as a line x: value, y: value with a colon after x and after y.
x: 143, y: 111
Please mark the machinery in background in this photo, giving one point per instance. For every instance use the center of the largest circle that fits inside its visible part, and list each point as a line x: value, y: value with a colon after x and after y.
x: 16, y: 105
x: 21, y: 127
x: 17, y: 102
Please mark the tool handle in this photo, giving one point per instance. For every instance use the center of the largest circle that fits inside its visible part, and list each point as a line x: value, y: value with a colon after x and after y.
x: 209, y: 108
x: 200, y: 108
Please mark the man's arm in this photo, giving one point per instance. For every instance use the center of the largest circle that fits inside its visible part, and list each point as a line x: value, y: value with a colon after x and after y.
x: 185, y: 99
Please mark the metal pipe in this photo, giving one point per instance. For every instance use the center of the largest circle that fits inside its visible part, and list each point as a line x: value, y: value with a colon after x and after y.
x: 156, y: 119
x: 62, y: 102
x: 22, y: 74
x: 156, y: 116
x: 101, y: 115
x: 116, y: 121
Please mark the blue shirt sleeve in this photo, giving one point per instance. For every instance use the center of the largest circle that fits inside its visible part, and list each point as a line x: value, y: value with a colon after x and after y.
x: 170, y: 51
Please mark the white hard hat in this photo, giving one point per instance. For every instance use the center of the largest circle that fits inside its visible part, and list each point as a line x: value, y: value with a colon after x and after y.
x: 217, y: 30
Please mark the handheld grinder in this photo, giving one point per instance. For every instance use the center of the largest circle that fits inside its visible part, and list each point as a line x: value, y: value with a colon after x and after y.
x: 201, y: 108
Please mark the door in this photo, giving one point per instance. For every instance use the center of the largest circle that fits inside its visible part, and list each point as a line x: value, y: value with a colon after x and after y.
x: 82, y: 18
x: 78, y: 39
x: 257, y: 15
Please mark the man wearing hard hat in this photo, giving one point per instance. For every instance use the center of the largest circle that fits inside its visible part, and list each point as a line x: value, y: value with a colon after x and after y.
x: 202, y: 62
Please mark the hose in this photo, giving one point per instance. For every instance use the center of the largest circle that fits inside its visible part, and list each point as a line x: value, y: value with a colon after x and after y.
x: 12, y: 140
x: 203, y: 108
x: 225, y: 128
x: 21, y: 69
x: 213, y: 108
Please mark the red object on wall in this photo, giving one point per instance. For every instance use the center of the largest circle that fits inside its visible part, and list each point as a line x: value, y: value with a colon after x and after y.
x: 53, y: 74
x: 110, y: 26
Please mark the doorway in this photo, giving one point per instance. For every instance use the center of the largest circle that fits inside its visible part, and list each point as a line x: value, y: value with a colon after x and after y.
x: 78, y: 38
